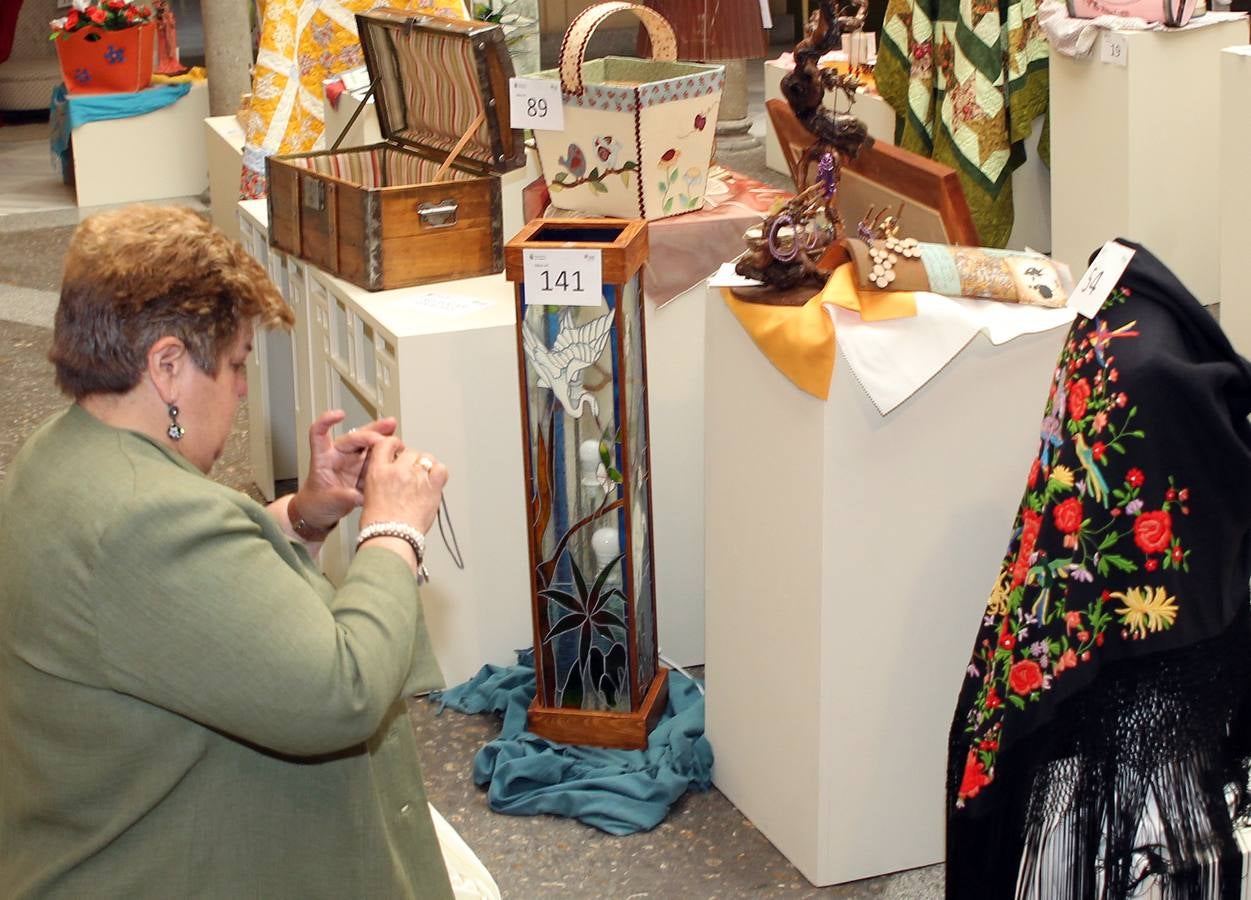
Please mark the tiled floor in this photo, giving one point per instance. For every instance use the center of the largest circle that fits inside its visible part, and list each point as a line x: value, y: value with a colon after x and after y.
x: 706, y: 848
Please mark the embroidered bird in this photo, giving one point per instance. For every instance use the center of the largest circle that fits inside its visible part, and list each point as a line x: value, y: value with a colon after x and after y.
x: 606, y: 148
x: 560, y: 368
x: 574, y: 161
x: 1103, y: 336
x: 1095, y: 484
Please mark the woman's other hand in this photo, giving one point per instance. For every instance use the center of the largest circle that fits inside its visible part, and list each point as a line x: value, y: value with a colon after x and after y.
x: 332, y: 490
x: 402, y: 486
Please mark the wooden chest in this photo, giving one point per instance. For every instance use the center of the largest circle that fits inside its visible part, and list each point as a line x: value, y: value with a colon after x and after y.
x: 423, y: 205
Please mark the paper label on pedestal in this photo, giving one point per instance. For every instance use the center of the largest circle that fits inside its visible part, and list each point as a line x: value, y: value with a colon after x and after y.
x: 448, y: 304
x: 535, y: 103
x: 1114, y: 48
x: 1091, y: 292
x: 355, y: 79
x: 563, y: 277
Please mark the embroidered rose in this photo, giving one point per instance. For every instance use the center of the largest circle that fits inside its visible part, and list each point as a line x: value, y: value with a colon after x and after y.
x: 975, y: 777
x: 1068, y: 516
x: 1079, y: 393
x: 1153, y: 531
x: 1099, y: 450
x: 1135, y: 478
x: 1031, y: 524
x: 1025, y: 677
x: 1034, y: 469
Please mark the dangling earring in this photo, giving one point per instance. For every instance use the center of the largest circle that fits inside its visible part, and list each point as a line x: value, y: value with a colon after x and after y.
x: 175, y: 431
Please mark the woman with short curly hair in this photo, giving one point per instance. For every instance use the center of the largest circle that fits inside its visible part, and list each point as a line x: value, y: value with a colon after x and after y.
x: 187, y: 707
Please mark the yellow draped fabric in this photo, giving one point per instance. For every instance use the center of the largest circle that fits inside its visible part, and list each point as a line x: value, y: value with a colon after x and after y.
x: 799, y: 340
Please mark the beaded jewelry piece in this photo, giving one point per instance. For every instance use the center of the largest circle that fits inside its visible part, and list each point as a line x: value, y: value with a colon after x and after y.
x: 175, y: 431
x: 881, y: 232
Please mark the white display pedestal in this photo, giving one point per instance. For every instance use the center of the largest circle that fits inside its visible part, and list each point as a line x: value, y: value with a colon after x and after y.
x: 1132, y: 151
x: 224, y: 148
x: 273, y: 434
x: 1235, y: 196
x: 1031, y: 184
x: 155, y: 156
x: 849, y: 558
x: 675, y: 384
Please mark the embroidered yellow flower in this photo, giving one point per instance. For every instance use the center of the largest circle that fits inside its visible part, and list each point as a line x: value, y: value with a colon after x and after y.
x: 1063, y: 476
x: 998, y: 603
x: 1146, y: 609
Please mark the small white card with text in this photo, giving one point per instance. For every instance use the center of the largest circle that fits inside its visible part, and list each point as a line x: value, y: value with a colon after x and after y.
x: 535, y: 103
x: 563, y: 277
x: 1104, y: 272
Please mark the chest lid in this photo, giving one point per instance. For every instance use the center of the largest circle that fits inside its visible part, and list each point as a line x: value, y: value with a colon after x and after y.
x: 434, y: 78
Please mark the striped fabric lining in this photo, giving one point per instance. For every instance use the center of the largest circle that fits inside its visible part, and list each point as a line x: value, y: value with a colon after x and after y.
x: 439, y: 79
x: 378, y: 167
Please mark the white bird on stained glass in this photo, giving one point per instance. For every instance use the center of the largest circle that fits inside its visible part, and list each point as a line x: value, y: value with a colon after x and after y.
x: 575, y: 349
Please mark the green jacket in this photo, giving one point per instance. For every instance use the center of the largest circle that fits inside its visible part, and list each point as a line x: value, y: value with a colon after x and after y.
x: 187, y: 707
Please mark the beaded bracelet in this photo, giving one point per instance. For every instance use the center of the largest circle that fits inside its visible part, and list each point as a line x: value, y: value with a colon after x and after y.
x: 404, y: 532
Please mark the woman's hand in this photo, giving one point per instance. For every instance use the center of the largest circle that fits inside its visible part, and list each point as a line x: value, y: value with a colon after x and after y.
x: 402, y: 486
x: 331, y: 490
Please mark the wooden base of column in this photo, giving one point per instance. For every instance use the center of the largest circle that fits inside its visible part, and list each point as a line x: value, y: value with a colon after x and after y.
x: 620, y: 731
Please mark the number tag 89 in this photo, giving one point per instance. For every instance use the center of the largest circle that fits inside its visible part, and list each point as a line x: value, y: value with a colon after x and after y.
x: 535, y: 103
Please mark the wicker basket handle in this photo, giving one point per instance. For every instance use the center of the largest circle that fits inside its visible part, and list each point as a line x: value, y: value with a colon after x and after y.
x: 578, y: 35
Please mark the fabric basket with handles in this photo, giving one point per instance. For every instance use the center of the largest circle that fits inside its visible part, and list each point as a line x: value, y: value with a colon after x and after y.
x: 1174, y: 13
x: 638, y: 133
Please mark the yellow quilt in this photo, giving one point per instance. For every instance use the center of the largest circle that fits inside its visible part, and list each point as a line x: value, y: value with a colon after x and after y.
x: 303, y: 42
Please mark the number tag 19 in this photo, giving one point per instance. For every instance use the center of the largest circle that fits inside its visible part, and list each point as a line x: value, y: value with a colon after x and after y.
x: 535, y: 103
x: 563, y: 277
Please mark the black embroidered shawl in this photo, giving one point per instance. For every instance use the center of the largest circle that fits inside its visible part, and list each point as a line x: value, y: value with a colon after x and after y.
x: 1100, y: 739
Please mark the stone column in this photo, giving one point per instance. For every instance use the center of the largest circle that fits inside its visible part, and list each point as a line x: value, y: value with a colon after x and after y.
x: 733, y: 122
x: 227, y: 52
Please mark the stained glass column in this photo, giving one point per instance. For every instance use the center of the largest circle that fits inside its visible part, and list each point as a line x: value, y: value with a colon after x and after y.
x: 583, y: 378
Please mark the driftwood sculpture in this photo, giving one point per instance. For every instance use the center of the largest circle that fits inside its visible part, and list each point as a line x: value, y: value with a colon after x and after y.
x: 784, y: 250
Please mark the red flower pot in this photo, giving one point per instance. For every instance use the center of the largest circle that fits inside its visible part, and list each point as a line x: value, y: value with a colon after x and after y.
x: 95, y: 61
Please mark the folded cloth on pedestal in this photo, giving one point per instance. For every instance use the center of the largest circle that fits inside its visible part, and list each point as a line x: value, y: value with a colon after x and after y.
x: 69, y: 113
x: 617, y: 791
x: 893, y: 341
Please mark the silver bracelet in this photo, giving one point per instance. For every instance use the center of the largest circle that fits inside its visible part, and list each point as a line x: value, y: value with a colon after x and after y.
x: 404, y: 532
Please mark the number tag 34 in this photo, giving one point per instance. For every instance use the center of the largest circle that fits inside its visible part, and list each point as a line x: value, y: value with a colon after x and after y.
x: 535, y: 103
x: 563, y: 277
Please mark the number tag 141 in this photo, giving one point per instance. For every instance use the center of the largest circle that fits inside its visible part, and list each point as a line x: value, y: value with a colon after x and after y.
x: 563, y: 277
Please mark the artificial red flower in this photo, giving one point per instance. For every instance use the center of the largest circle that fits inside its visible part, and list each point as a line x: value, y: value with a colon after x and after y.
x: 1135, y: 478
x: 97, y: 15
x: 1079, y: 393
x: 1034, y: 469
x: 975, y: 777
x: 1025, y: 677
x: 1068, y: 516
x: 116, y: 4
x: 1153, y: 531
x: 71, y: 21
